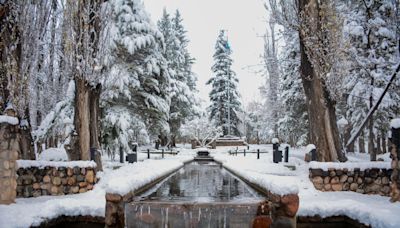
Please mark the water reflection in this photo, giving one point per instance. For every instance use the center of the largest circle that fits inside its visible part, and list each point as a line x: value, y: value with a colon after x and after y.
x: 203, y: 181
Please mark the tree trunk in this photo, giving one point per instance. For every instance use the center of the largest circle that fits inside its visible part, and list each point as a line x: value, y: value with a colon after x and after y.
x: 384, y: 146
x: 82, y: 118
x: 321, y: 109
x: 361, y: 143
x: 378, y: 145
x: 95, y: 123
x: 347, y: 135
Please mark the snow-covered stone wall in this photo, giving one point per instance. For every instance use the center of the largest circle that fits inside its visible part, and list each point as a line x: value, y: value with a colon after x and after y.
x: 54, y: 178
x: 365, y: 180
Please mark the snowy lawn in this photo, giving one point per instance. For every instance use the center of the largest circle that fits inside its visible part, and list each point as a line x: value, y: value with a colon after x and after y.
x: 373, y: 210
x: 277, y: 178
x: 34, y: 211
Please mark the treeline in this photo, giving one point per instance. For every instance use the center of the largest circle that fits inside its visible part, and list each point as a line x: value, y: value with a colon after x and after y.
x: 334, y: 63
x: 94, y: 74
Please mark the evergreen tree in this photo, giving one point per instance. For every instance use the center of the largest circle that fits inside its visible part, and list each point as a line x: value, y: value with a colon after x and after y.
x: 135, y: 101
x: 293, y: 124
x: 225, y: 99
x: 179, y: 64
x: 370, y: 29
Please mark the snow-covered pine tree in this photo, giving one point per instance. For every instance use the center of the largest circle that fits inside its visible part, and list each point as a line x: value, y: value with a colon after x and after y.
x: 293, y: 122
x: 370, y: 30
x: 135, y: 98
x: 225, y: 99
x: 179, y: 64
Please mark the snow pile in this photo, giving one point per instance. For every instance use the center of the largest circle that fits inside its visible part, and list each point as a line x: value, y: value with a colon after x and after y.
x: 275, y: 141
x: 395, y: 123
x: 53, y: 154
x: 273, y: 177
x: 342, y: 122
x: 42, y: 164
x: 134, y: 176
x: 8, y: 119
x: 350, y: 165
x: 310, y: 147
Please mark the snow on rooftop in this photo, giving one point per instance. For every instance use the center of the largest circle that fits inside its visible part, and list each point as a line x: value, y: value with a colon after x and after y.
x: 395, y: 123
x: 8, y: 119
x: 57, y: 164
x: 349, y: 165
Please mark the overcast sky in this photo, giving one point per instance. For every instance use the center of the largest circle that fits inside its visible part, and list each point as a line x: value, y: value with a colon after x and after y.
x: 245, y: 22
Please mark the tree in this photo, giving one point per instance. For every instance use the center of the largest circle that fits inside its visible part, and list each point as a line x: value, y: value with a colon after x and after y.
x: 225, y: 99
x: 319, y: 43
x: 135, y: 100
x: 201, y: 130
x: 183, y: 81
x: 370, y: 30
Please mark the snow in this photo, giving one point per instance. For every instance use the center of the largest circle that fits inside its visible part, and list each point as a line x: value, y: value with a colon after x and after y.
x: 57, y: 164
x: 53, y: 154
x: 144, y: 173
x: 395, y: 123
x: 8, y: 119
x: 342, y: 122
x: 350, y: 165
x: 275, y: 141
x: 310, y: 147
x: 275, y: 177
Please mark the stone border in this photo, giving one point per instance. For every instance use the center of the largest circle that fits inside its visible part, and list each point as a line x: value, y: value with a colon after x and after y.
x: 369, y: 181
x: 115, y: 203
x: 41, y: 181
x: 283, y: 207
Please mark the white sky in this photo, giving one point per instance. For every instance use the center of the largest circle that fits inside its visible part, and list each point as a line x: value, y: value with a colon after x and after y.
x: 245, y: 22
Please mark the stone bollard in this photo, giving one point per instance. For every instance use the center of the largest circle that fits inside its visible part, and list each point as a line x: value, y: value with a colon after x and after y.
x: 395, y: 154
x: 9, y: 150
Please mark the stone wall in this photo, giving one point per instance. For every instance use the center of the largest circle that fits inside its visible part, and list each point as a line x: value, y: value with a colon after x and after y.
x: 9, y: 149
x: 368, y: 181
x: 47, y: 180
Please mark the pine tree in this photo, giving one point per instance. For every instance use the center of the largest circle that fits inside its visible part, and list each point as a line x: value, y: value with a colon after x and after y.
x: 225, y: 99
x: 179, y: 64
x: 370, y: 30
x: 135, y: 99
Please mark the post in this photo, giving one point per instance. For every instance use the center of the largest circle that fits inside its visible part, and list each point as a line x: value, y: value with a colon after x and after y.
x: 395, y: 154
x: 162, y: 153
x: 9, y: 152
x: 258, y: 153
x: 244, y: 153
x: 314, y: 156
x: 121, y: 155
x: 236, y: 151
x: 92, y: 153
x: 148, y: 153
x: 286, y: 154
x: 248, y: 147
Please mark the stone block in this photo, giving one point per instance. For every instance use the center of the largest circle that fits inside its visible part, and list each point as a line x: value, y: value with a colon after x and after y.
x: 89, y: 177
x: 337, y: 187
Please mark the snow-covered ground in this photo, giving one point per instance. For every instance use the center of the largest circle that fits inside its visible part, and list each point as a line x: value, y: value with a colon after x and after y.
x: 374, y: 210
x: 116, y: 177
